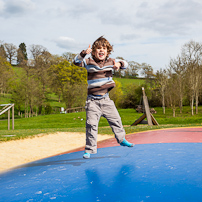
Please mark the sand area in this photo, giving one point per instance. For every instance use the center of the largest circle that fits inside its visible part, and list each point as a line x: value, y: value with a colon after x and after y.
x: 17, y: 152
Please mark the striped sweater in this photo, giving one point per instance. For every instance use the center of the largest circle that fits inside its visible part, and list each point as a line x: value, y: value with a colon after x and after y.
x: 99, y: 72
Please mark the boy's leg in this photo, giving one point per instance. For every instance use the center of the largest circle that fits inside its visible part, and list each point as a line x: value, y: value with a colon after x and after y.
x: 111, y: 114
x: 93, y: 114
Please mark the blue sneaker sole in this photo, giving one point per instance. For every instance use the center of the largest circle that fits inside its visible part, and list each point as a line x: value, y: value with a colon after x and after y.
x: 86, y: 156
x: 132, y: 145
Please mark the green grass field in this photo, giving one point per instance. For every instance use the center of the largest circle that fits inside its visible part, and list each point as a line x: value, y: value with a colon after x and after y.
x: 75, y: 122
x: 124, y: 82
x: 5, y: 99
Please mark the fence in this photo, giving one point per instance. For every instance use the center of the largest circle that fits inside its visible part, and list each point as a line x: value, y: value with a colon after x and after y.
x: 7, y: 107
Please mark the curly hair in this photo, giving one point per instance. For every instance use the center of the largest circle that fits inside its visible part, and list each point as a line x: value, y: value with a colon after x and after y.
x: 101, y: 41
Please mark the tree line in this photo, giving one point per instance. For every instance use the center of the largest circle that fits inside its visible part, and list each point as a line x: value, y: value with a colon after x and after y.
x: 44, y: 73
x: 177, y: 85
x: 40, y: 75
x: 181, y: 82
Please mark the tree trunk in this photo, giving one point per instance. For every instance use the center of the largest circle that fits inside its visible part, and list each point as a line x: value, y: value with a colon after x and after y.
x: 192, y: 105
x: 181, y: 105
x: 163, y: 104
x: 26, y: 113
x: 174, y: 111
x: 197, y: 103
x: 30, y: 113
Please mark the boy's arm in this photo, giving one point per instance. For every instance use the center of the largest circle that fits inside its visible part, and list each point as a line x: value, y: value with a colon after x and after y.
x: 120, y: 64
x: 79, y: 59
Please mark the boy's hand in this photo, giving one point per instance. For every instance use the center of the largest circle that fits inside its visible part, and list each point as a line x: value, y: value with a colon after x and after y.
x: 117, y: 65
x: 88, y: 50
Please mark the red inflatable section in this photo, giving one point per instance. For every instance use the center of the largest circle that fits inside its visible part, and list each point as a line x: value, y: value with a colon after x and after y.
x: 171, y: 135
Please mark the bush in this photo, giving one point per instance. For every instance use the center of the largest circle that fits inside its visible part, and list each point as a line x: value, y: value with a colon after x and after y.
x: 133, y: 96
x: 48, y: 108
x: 116, y: 94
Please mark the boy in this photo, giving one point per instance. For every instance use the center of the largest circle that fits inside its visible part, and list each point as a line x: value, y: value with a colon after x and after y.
x: 98, y: 103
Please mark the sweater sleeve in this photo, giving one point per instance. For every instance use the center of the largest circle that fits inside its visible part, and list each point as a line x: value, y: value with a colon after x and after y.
x: 124, y: 64
x: 79, y: 59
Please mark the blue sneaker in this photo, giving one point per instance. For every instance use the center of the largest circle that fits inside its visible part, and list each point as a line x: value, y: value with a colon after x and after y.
x: 86, y: 156
x: 126, y: 143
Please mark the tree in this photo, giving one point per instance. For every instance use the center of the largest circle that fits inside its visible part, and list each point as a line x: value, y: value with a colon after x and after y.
x: 147, y: 71
x: 6, y: 75
x: 42, y: 60
x: 172, y: 93
x: 11, y: 52
x: 70, y: 81
x: 161, y: 84
x: 192, y: 57
x: 74, y: 95
x: 19, y: 94
x: 178, y: 68
x: 69, y: 56
x: 36, y: 51
x: 42, y: 64
x: 133, y: 69
x: 21, y: 53
x: 26, y: 94
x: 2, y: 51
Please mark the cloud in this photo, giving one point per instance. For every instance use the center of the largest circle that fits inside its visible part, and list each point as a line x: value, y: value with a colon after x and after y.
x: 168, y: 17
x: 81, y: 8
x: 2, y: 4
x: 118, y: 13
x: 171, y: 17
x: 107, y: 12
x: 69, y: 44
x: 9, y: 8
x: 129, y: 37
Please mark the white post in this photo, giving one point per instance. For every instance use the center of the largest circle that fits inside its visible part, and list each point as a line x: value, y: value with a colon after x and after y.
x: 13, y: 117
x: 9, y: 119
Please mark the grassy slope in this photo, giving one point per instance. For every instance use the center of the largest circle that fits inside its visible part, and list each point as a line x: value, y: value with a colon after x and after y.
x: 124, y: 82
x: 5, y: 99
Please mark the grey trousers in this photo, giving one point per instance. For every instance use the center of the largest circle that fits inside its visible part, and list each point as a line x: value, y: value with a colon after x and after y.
x: 94, y: 110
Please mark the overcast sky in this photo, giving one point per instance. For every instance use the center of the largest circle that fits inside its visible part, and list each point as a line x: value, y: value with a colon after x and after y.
x: 140, y: 30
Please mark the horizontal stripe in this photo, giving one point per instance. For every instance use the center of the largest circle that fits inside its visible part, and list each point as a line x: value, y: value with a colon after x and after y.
x: 98, y: 97
x: 100, y: 80
x: 99, y: 75
x: 93, y: 69
x: 98, y: 84
x: 78, y: 59
x: 106, y: 87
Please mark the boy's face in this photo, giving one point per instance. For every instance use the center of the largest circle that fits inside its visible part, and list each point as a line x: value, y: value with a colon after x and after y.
x: 100, y: 52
